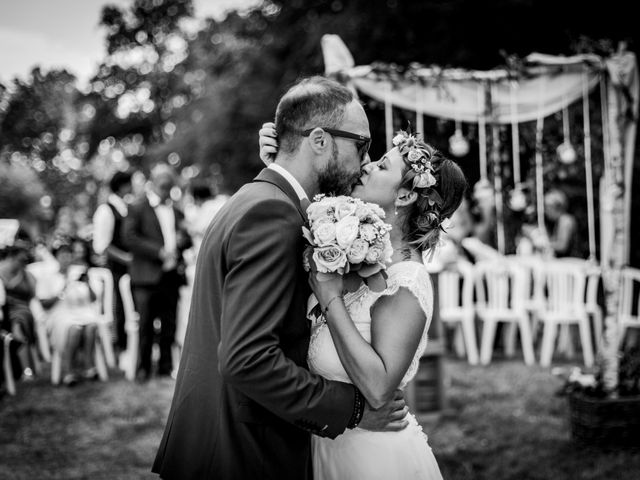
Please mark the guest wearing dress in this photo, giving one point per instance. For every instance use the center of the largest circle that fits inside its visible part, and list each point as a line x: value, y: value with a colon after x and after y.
x: 72, y: 318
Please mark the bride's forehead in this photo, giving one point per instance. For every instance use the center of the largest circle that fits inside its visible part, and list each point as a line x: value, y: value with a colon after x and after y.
x: 394, y: 158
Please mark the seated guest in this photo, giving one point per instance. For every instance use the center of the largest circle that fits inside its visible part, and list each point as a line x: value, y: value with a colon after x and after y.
x: 19, y: 286
x: 72, y: 319
x: 561, y: 225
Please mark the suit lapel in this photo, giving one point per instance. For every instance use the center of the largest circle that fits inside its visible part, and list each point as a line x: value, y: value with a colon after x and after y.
x: 271, y: 176
x: 154, y: 220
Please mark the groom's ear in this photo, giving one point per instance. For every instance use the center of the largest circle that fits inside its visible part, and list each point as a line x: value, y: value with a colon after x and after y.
x: 319, y: 141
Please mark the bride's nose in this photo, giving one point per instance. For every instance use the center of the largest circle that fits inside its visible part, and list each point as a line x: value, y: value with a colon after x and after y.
x: 367, y: 168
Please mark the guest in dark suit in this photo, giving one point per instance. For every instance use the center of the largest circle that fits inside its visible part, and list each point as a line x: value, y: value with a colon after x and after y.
x: 152, y: 232
x: 245, y: 403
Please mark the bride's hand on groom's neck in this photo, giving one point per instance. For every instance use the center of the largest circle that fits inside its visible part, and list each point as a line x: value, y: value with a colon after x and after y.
x: 388, y: 418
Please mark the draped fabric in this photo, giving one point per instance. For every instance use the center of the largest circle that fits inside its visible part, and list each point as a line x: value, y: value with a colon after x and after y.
x: 555, y: 82
x: 544, y: 85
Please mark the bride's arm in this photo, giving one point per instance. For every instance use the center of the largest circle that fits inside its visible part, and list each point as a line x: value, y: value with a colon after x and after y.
x: 397, y: 323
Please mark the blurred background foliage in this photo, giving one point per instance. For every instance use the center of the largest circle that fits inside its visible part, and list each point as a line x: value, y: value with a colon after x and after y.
x: 195, y: 93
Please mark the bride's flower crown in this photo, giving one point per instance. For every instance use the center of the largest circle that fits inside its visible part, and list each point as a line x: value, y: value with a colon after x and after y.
x: 418, y: 154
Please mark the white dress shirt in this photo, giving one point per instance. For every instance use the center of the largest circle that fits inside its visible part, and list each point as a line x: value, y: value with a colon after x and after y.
x: 167, y: 220
x: 104, y: 223
x: 302, y: 195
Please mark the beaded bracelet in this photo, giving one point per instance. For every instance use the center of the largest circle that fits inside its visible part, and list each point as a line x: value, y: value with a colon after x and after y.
x: 358, y: 410
x: 325, y: 310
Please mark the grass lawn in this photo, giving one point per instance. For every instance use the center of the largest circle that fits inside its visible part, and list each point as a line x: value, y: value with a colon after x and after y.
x: 501, y: 422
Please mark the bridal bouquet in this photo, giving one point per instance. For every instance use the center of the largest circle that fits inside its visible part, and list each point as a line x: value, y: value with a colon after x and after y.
x: 347, y: 235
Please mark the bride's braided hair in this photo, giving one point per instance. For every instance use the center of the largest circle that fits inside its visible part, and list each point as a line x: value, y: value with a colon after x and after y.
x: 439, y: 183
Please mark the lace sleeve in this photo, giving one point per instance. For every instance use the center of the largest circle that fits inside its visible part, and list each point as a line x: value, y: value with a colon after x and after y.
x: 414, y: 277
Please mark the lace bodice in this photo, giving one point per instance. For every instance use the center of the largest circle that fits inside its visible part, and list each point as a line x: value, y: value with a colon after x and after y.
x: 323, y: 358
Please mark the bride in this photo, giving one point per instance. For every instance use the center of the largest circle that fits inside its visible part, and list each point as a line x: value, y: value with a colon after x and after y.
x: 375, y: 339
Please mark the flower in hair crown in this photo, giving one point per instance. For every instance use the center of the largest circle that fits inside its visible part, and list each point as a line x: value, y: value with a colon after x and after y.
x: 413, y: 149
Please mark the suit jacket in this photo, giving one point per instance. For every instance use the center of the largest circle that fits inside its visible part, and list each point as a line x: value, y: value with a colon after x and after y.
x: 142, y: 236
x: 244, y: 402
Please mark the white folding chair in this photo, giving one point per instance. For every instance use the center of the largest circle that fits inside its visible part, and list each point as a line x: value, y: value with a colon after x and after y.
x: 565, y: 287
x: 131, y: 327
x: 628, y: 309
x: 501, y: 297
x: 534, y: 288
x: 7, y: 338
x: 7, y: 364
x: 455, y: 298
x: 42, y: 272
x: 101, y: 282
x: 593, y: 274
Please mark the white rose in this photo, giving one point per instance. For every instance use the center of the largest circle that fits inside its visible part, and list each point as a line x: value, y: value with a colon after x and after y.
x: 324, y: 232
x: 368, y: 232
x: 414, y: 156
x: 398, y: 139
x: 347, y: 231
x: 363, y: 212
x: 358, y: 251
x: 316, y: 211
x: 344, y: 208
x: 330, y: 259
x: 375, y: 254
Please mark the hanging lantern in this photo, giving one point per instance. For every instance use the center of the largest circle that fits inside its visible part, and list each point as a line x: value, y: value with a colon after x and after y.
x: 517, y: 199
x: 483, y: 191
x: 458, y: 145
x: 566, y: 152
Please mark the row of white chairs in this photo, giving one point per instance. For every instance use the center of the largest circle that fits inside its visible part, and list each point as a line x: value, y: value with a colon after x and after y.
x: 528, y: 293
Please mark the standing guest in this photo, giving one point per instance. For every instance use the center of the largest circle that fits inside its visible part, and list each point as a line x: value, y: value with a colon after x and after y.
x: 107, y: 240
x: 153, y: 233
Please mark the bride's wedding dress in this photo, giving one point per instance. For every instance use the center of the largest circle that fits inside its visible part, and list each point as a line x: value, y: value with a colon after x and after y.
x: 361, y: 454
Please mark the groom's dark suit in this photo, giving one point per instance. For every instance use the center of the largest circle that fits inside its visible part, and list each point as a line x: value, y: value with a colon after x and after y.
x: 245, y: 404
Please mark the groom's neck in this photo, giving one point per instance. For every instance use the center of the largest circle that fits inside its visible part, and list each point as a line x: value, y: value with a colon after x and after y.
x: 301, y: 171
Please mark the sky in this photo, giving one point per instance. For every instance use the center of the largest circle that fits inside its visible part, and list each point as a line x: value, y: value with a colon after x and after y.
x: 65, y: 33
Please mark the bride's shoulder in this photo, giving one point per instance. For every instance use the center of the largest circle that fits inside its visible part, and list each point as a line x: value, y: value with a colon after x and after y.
x: 408, y: 267
x: 409, y: 273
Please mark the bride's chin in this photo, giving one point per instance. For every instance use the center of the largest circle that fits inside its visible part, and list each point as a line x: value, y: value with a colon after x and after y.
x: 359, y: 192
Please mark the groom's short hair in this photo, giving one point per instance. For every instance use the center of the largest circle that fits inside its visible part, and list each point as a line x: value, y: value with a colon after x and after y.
x: 312, y: 102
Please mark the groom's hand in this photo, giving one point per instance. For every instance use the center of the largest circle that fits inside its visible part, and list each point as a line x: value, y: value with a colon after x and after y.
x: 388, y: 418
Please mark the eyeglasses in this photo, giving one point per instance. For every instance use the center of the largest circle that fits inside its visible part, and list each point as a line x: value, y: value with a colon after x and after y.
x: 362, y: 143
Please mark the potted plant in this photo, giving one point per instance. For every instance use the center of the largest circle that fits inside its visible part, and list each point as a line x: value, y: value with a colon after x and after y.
x: 599, y: 415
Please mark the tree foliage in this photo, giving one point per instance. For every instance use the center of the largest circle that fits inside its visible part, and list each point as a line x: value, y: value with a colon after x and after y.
x: 194, y: 94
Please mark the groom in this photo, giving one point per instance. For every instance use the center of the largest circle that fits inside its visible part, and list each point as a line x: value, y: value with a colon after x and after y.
x: 245, y: 404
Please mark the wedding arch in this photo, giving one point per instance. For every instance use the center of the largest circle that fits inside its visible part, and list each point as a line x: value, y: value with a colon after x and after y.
x: 543, y: 85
